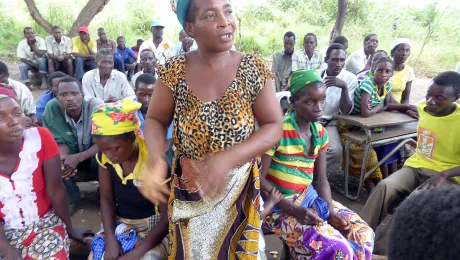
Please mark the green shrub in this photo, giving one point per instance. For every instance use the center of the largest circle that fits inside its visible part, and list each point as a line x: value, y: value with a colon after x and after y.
x: 263, y: 25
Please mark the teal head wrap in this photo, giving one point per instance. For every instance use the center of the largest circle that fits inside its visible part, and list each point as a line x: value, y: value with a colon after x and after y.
x: 181, y: 11
x: 299, y: 79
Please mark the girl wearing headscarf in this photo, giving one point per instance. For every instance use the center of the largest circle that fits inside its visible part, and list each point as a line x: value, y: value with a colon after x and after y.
x: 403, y: 73
x: 214, y: 95
x: 122, y: 161
x: 307, y: 219
x: 34, y: 213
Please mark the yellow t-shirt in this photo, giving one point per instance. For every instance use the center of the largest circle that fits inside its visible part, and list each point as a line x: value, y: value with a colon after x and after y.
x: 79, y: 47
x: 438, y: 146
x: 400, y: 79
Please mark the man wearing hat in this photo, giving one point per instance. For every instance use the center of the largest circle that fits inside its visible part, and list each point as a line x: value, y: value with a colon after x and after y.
x: 161, y: 47
x: 84, y: 49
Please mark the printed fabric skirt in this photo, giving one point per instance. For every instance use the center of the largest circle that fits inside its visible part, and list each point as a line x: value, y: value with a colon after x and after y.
x: 322, y: 241
x: 45, y: 239
x: 142, y: 228
x: 224, y: 227
x: 356, y: 155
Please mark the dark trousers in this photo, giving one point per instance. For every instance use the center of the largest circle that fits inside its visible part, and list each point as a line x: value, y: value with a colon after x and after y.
x: 86, y: 171
x: 81, y: 66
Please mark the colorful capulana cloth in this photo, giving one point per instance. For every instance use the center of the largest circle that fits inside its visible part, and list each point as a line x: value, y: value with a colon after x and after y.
x: 227, y: 226
x: 309, y: 198
x: 116, y: 118
x: 291, y: 170
x: 142, y: 227
x: 46, y: 238
x: 299, y: 79
x: 126, y: 237
x: 368, y: 85
x: 323, y: 241
x: 294, y: 166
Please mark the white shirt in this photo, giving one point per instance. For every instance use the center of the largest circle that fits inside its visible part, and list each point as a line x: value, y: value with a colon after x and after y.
x: 24, y: 51
x: 457, y: 69
x: 64, y: 47
x: 162, y: 53
x: 25, y: 97
x: 179, y: 49
x: 333, y: 94
x: 356, y: 62
x: 135, y: 76
x: 116, y: 86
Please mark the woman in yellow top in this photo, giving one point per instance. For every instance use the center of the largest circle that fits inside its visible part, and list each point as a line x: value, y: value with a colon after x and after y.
x: 122, y: 160
x: 214, y: 95
x: 403, y: 73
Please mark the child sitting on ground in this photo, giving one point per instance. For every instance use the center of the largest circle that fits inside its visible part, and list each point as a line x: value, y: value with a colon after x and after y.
x: 374, y: 96
x: 122, y: 161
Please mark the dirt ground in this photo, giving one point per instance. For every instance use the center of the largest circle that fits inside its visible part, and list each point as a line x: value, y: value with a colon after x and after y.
x: 88, y: 215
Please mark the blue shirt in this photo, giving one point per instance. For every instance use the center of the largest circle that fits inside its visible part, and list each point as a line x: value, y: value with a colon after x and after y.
x: 41, y: 103
x: 142, y: 120
x: 126, y: 53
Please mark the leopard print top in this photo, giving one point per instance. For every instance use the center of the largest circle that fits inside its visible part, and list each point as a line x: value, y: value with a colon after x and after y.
x: 201, y: 128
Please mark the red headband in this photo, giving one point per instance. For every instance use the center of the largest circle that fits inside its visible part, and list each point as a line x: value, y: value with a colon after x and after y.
x: 7, y: 91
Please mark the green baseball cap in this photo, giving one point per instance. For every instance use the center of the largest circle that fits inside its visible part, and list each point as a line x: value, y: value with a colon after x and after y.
x: 156, y: 24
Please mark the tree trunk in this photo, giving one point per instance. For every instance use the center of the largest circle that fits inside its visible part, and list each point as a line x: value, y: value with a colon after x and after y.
x: 340, y: 20
x: 37, y: 16
x: 91, y: 9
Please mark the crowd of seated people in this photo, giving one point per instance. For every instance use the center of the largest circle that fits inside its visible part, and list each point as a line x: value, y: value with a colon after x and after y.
x: 92, y: 118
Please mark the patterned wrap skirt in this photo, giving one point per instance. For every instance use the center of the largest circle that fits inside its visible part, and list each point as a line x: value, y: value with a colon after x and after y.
x: 143, y: 227
x: 224, y: 227
x: 45, y: 239
x: 322, y: 241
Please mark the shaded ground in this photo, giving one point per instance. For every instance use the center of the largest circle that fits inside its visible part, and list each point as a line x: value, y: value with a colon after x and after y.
x: 88, y: 216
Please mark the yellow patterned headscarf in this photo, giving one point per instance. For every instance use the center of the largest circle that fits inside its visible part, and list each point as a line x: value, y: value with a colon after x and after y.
x: 116, y: 118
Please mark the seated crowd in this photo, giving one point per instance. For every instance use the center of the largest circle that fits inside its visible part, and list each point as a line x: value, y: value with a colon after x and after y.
x: 91, y: 118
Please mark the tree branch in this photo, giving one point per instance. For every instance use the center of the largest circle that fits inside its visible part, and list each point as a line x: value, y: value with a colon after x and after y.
x: 91, y: 9
x: 340, y: 19
x: 37, y: 16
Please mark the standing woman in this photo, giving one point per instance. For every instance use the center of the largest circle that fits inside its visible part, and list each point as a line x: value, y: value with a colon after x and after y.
x: 34, y: 213
x: 214, y: 95
x: 403, y: 73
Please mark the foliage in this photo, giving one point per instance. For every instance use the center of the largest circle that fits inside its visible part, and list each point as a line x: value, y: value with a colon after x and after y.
x: 390, y: 19
x: 263, y: 23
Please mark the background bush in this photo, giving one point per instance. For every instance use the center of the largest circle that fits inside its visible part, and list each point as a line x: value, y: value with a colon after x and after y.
x: 263, y: 23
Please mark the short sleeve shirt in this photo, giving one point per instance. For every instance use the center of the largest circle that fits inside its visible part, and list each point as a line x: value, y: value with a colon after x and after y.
x: 400, y: 80
x: 25, y: 52
x: 116, y: 86
x: 26, y: 99
x: 292, y: 166
x: 64, y: 47
x: 282, y: 67
x: 79, y: 47
x: 126, y: 53
x: 300, y: 61
x: 370, y: 87
x: 110, y: 45
x: 23, y: 196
